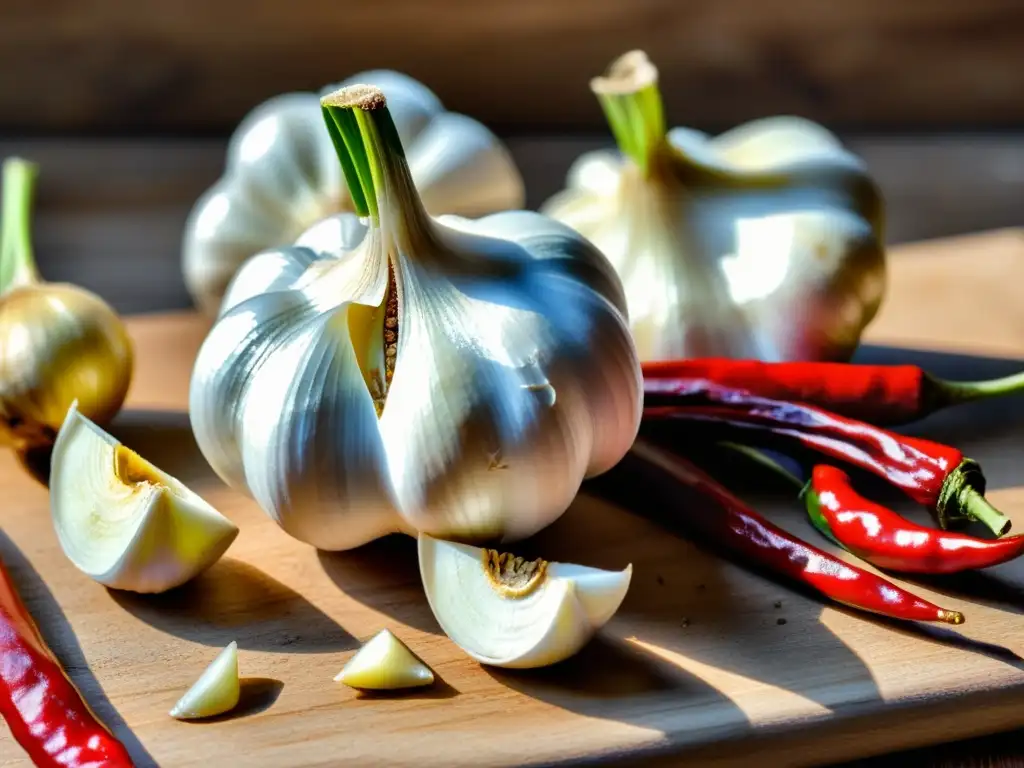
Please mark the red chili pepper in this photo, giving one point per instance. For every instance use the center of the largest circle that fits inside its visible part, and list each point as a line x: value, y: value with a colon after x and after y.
x: 42, y: 707
x: 880, y: 394
x: 888, y: 540
x: 935, y: 475
x: 732, y: 524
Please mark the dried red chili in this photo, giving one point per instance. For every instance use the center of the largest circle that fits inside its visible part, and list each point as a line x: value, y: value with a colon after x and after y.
x: 940, y: 477
x: 885, y: 539
x: 42, y: 707
x: 728, y: 521
x: 879, y: 394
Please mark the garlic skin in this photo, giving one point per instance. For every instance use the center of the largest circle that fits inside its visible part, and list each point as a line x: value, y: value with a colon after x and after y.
x: 513, y: 376
x: 123, y: 522
x: 765, y: 242
x: 507, y: 612
x: 58, y: 343
x: 385, y: 663
x: 216, y: 691
x: 282, y: 176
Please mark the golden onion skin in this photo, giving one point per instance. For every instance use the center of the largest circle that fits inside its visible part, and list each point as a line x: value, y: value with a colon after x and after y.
x: 58, y: 343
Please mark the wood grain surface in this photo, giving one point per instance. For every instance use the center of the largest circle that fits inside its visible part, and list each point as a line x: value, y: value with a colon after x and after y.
x: 697, y: 667
x: 170, y: 65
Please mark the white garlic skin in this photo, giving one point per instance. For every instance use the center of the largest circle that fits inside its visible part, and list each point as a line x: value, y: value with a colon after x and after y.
x: 764, y: 242
x: 282, y: 175
x: 516, y: 378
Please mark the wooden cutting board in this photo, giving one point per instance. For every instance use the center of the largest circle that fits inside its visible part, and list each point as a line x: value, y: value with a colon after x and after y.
x: 698, y: 666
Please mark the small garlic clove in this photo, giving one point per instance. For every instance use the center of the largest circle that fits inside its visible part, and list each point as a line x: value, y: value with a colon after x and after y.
x: 509, y: 612
x: 385, y: 663
x: 124, y: 522
x: 215, y: 692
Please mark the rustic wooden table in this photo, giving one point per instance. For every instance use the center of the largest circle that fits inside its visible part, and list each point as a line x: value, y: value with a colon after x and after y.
x: 110, y: 216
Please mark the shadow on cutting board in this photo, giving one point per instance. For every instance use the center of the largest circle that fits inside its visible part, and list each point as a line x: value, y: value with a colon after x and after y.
x: 616, y: 680
x: 214, y: 607
x: 57, y: 632
x: 384, y: 575
x: 236, y: 601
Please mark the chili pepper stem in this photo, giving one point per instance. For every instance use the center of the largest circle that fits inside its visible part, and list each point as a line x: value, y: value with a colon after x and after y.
x: 941, y: 394
x: 17, y: 263
x: 977, y: 507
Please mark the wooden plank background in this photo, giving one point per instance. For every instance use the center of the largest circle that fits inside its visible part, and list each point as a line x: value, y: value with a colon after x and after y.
x: 198, y: 65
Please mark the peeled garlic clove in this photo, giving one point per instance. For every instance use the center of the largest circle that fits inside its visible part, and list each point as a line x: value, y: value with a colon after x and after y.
x: 215, y: 692
x: 124, y: 522
x: 509, y: 612
x: 385, y: 663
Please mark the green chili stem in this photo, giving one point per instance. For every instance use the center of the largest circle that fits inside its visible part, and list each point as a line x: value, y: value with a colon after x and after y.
x: 755, y: 455
x: 631, y: 101
x: 807, y: 493
x: 977, y: 507
x: 17, y: 263
x: 368, y: 147
x: 958, y: 392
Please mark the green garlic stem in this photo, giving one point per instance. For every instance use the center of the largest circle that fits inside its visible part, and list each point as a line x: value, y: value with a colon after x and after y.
x: 17, y: 262
x: 976, y: 506
x: 958, y: 392
x: 631, y: 101
x: 369, y: 150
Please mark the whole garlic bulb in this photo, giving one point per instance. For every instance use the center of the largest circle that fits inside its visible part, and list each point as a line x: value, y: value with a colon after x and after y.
x: 58, y: 343
x: 764, y: 242
x: 282, y: 176
x: 453, y: 376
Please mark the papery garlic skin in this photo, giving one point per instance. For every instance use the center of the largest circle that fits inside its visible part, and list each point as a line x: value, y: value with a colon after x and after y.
x: 217, y: 690
x: 58, y: 343
x: 385, y: 663
x: 515, y: 375
x: 763, y: 242
x: 282, y: 176
x: 122, y: 521
x: 549, y: 622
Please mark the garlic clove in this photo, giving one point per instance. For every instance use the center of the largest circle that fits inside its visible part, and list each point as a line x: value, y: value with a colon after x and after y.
x: 768, y: 142
x: 385, y: 663
x: 273, y: 270
x: 459, y: 165
x: 124, y: 522
x: 215, y: 692
x: 508, y: 612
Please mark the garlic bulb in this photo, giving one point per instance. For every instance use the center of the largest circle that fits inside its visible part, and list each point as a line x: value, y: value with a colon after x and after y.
x: 385, y: 663
x: 764, y: 242
x: 443, y: 375
x: 58, y: 342
x: 216, y: 691
x: 122, y: 521
x: 509, y: 612
x: 282, y: 176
